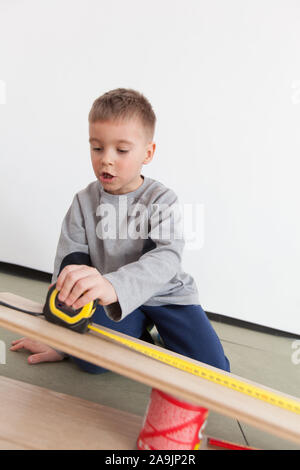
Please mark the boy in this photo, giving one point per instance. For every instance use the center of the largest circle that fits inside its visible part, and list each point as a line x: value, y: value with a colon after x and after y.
x: 121, y: 242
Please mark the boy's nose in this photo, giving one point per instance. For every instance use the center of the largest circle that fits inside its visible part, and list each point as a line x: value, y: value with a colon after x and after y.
x: 106, y: 159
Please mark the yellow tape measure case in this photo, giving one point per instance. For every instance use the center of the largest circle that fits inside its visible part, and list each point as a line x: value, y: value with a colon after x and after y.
x: 59, y: 313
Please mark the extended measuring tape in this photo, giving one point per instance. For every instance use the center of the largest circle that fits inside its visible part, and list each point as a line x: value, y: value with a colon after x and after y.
x: 80, y: 320
x: 200, y: 371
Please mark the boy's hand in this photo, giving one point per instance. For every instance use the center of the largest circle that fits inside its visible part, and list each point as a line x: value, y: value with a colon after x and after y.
x: 76, y: 280
x: 42, y: 352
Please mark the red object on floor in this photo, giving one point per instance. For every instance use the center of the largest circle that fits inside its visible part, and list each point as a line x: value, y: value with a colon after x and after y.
x: 171, y: 424
x: 227, y: 445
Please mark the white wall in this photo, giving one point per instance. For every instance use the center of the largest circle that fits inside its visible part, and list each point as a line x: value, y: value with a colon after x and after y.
x: 224, y: 80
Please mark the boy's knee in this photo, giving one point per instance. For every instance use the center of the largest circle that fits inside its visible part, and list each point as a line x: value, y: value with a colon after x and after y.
x: 88, y: 366
x: 94, y: 369
x: 227, y: 366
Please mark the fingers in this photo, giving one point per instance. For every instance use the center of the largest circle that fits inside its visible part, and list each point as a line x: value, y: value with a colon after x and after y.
x: 36, y: 358
x: 29, y: 344
x: 17, y: 344
x: 49, y: 356
x: 25, y: 343
x: 66, y: 273
x: 21, y: 343
x: 84, y: 289
x: 15, y: 341
x: 79, y: 283
x: 89, y: 296
x: 68, y: 277
x: 42, y: 352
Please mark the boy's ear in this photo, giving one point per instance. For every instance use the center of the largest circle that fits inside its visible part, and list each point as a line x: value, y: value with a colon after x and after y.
x: 150, y: 153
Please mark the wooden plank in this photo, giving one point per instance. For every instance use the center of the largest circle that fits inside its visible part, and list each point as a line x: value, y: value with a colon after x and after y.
x: 34, y: 417
x: 100, y: 351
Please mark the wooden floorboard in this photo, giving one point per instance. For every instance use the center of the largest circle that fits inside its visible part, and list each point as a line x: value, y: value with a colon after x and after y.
x: 34, y: 417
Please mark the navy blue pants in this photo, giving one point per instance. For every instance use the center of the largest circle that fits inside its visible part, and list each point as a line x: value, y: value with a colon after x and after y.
x: 184, y: 329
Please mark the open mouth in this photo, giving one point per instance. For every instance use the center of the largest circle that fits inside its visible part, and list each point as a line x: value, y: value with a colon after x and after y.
x: 106, y: 176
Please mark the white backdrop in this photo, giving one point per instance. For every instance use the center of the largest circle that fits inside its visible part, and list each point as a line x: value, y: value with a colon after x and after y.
x: 223, y: 78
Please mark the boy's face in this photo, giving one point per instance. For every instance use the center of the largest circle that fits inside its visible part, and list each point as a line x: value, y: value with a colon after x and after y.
x: 119, y: 148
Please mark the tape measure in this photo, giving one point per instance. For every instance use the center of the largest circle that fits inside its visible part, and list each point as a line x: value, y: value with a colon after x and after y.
x: 204, y: 373
x: 58, y: 312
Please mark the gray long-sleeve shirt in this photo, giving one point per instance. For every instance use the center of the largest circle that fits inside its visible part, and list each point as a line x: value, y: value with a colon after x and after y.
x: 135, y: 240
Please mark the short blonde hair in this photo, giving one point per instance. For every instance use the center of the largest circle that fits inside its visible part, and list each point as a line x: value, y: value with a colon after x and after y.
x: 124, y: 103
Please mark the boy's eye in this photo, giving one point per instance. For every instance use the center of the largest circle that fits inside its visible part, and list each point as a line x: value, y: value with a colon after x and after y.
x: 119, y: 150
